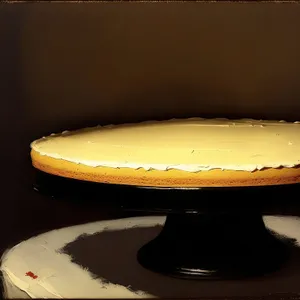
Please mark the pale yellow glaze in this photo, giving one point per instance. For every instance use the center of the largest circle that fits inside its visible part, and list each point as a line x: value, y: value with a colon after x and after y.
x: 184, y: 144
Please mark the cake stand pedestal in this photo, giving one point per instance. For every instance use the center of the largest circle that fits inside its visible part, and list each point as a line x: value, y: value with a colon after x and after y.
x: 211, y: 238
x: 194, y: 245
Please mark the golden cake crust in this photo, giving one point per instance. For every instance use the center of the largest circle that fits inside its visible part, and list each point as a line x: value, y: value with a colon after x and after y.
x: 169, y: 178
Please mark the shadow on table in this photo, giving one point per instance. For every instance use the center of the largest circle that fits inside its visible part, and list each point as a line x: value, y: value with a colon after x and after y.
x: 111, y: 257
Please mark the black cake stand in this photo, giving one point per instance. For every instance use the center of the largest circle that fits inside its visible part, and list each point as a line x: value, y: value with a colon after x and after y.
x: 209, y: 233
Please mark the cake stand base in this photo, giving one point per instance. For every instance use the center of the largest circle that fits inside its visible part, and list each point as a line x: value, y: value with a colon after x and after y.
x: 214, y: 246
x: 219, y: 237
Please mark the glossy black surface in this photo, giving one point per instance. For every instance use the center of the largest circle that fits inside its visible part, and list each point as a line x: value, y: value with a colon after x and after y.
x: 214, y: 246
x: 207, y: 231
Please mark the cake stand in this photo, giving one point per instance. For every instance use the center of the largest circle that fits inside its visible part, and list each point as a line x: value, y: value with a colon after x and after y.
x: 209, y: 233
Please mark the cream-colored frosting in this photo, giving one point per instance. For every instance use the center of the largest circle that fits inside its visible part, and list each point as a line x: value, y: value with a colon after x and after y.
x: 191, y: 145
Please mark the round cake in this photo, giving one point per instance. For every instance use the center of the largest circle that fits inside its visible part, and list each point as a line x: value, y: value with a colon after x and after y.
x: 190, y: 153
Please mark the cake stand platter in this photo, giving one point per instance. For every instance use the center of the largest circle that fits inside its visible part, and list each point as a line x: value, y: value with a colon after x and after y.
x: 209, y: 233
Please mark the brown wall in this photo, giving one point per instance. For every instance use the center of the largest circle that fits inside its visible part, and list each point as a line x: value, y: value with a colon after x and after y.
x: 109, y: 62
x: 66, y: 65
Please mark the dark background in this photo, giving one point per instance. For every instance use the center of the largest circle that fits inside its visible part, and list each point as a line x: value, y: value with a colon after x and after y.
x: 67, y: 65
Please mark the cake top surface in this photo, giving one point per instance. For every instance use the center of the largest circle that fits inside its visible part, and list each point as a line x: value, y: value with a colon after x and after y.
x: 191, y: 145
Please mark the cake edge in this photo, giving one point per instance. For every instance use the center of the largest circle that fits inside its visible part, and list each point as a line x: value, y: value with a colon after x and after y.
x: 170, y: 178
